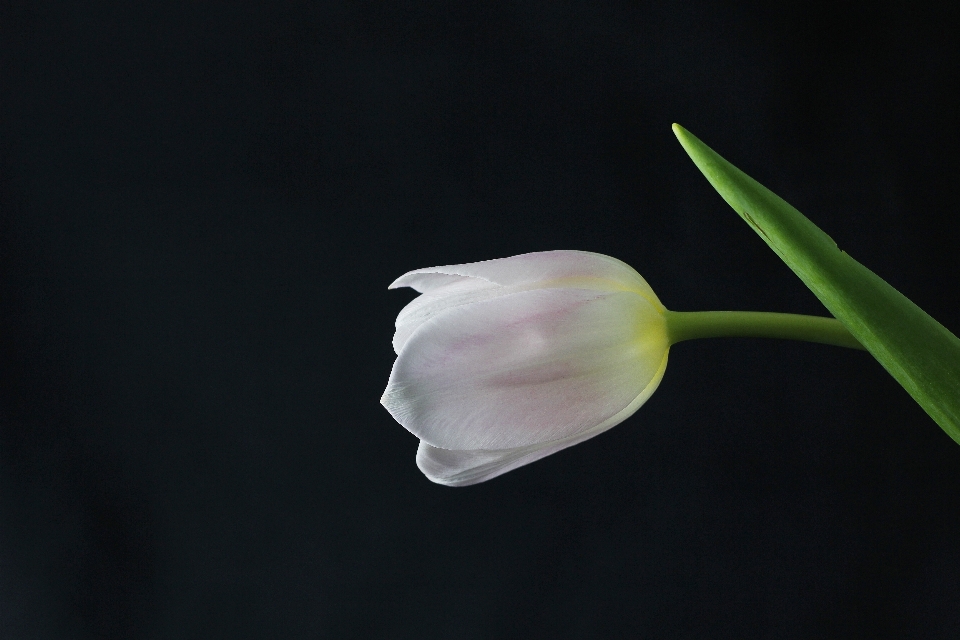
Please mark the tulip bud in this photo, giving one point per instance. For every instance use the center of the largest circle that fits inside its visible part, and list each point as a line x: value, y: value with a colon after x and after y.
x: 502, y: 362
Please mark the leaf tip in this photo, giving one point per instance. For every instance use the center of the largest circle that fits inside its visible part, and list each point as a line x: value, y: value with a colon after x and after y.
x: 698, y: 152
x: 680, y: 132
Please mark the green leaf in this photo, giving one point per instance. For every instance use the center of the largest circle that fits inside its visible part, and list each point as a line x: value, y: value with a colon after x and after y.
x: 919, y: 352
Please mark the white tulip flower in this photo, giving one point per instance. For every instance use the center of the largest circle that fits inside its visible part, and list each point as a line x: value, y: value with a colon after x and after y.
x: 503, y: 362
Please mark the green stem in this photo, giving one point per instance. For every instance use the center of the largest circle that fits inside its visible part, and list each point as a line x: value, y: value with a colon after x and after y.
x: 688, y: 325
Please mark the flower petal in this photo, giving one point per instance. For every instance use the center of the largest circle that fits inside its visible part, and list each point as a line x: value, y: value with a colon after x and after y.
x: 571, y: 269
x: 453, y: 293
x: 526, y: 368
x: 462, y: 468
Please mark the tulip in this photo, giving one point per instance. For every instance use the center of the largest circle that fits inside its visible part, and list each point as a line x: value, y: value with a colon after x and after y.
x: 502, y: 362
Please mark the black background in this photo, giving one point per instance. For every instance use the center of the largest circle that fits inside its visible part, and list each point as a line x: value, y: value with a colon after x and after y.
x: 201, y: 206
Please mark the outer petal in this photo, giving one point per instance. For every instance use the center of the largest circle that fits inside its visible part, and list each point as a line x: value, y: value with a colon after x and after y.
x: 461, y: 468
x: 546, y: 269
x: 455, y: 292
x: 526, y: 368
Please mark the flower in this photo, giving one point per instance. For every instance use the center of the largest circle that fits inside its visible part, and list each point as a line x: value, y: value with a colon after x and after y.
x: 502, y: 362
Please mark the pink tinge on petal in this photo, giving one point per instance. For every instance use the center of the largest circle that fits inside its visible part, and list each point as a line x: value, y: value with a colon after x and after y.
x: 574, y: 269
x: 463, y: 468
x: 525, y: 368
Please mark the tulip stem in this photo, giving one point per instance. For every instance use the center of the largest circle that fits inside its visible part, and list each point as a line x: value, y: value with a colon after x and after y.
x: 688, y: 325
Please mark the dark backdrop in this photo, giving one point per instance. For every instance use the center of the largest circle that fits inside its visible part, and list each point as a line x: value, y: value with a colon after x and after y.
x: 201, y: 206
